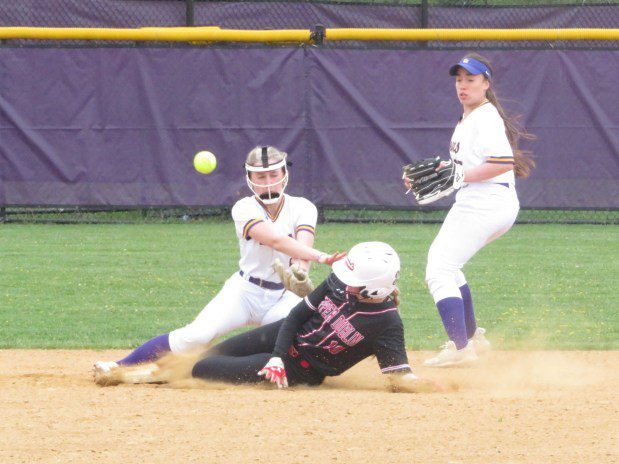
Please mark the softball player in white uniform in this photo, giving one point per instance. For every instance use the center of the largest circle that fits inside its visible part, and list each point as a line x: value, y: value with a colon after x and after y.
x: 270, y: 225
x: 486, y: 206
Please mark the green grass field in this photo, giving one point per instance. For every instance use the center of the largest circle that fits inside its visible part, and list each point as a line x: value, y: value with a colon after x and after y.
x: 114, y: 286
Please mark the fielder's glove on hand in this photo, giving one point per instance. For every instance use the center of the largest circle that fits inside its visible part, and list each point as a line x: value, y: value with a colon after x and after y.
x: 294, y: 278
x: 299, y: 282
x: 274, y: 372
x: 433, y: 178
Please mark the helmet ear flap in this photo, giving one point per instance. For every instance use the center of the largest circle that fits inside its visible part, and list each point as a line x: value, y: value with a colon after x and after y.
x: 336, y: 286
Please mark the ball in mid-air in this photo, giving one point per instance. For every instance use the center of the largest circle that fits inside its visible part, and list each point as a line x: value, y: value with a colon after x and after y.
x: 205, y: 162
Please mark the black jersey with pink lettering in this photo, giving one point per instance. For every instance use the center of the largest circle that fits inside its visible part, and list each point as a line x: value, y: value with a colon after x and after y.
x: 333, y: 332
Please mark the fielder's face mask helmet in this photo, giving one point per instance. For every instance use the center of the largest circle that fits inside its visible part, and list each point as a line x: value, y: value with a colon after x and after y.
x: 373, y: 266
x: 270, y: 159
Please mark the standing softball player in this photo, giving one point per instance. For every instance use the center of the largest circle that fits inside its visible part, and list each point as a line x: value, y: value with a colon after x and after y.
x: 273, y: 228
x: 484, y: 163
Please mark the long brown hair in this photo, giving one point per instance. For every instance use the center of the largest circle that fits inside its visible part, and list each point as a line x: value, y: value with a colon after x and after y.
x: 523, y: 159
x: 395, y: 296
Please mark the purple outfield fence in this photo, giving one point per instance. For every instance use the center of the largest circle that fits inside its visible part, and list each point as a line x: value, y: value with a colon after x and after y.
x: 119, y: 126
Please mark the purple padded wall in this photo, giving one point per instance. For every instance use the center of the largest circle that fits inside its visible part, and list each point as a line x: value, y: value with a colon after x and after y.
x: 119, y: 126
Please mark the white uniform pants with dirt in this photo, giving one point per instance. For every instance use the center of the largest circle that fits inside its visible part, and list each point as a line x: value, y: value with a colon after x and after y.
x: 482, y: 213
x: 237, y: 304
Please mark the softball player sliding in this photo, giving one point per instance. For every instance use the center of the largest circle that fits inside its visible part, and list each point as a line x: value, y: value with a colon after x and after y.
x: 270, y: 225
x: 485, y: 144
x: 350, y: 316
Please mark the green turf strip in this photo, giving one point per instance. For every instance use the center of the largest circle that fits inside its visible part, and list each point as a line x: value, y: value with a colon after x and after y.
x: 114, y: 286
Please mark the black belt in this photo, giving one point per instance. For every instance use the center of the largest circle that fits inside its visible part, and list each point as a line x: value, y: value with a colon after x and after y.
x: 504, y: 184
x: 263, y: 283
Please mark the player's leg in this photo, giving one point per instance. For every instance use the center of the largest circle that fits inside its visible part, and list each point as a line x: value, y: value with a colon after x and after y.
x: 475, y: 334
x: 258, y: 340
x: 239, y: 358
x: 498, y: 224
x: 467, y: 299
x: 223, y: 313
x: 230, y: 309
x: 465, y: 231
x: 150, y: 351
x: 457, y: 241
x: 231, y: 369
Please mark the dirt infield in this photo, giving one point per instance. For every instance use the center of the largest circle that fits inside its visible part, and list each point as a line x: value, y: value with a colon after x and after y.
x: 513, y: 407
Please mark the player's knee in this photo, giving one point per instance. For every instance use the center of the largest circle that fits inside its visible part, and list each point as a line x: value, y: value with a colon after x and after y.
x: 440, y: 268
x: 434, y: 282
x: 200, y: 370
x: 460, y: 279
x: 441, y: 282
x: 436, y: 273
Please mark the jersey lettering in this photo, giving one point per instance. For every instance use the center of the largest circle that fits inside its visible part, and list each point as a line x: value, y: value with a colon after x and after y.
x: 346, y: 332
x: 327, y: 309
x: 454, y: 147
x: 333, y: 347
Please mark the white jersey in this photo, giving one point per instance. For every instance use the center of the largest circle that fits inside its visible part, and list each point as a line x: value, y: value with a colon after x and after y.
x: 294, y: 214
x: 481, y: 138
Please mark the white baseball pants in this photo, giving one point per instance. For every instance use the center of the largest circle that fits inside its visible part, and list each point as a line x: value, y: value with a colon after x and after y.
x: 237, y: 304
x: 482, y: 213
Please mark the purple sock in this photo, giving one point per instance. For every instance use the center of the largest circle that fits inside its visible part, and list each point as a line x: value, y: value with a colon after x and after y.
x: 469, y: 313
x: 452, y: 312
x: 149, y: 351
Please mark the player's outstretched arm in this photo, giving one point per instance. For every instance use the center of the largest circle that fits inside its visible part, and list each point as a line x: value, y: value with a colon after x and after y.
x: 306, y: 238
x: 265, y: 234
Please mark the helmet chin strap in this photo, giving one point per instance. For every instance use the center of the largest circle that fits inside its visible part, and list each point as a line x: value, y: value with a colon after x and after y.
x: 268, y: 197
x: 270, y: 200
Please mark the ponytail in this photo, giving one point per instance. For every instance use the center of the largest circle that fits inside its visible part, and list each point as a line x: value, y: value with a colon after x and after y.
x: 395, y: 296
x: 523, y: 159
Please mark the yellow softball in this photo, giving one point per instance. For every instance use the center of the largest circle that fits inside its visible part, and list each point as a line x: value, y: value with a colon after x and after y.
x: 205, y: 162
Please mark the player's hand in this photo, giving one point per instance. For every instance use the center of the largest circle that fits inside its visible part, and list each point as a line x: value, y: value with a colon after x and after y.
x: 324, y: 258
x: 407, y: 183
x: 274, y: 372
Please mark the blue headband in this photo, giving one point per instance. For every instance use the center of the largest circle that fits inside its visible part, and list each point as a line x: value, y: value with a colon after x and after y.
x: 471, y: 65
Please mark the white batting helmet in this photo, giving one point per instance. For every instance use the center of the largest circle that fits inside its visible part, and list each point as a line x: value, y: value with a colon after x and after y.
x: 375, y: 266
x: 263, y: 159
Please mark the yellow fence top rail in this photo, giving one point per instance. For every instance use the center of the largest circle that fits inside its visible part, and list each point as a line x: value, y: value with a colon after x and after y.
x: 158, y: 34
x: 472, y: 34
x: 215, y: 34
